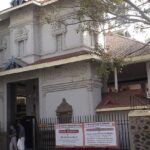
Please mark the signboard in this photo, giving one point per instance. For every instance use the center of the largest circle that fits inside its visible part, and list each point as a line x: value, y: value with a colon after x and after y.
x: 96, y: 134
x: 100, y: 134
x: 69, y: 135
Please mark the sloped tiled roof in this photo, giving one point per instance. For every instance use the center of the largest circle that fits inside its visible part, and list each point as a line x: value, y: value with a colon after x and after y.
x: 125, y: 46
x: 123, y: 99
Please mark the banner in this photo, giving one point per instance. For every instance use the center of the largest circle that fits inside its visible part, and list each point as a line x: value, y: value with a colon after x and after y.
x: 96, y: 134
x: 100, y: 134
x: 69, y: 135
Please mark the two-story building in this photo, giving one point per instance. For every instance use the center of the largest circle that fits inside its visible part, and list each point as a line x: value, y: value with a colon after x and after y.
x: 43, y: 63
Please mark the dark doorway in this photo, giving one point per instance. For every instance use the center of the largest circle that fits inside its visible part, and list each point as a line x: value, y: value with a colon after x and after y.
x: 23, y: 105
x: 22, y: 100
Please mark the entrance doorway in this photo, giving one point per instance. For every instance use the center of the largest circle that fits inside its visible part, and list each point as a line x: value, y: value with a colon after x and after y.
x: 22, y: 100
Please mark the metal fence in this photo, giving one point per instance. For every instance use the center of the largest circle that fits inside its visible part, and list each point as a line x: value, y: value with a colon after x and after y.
x: 139, y: 102
x: 46, y: 129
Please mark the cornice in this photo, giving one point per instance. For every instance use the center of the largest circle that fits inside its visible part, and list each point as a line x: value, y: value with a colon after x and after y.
x: 89, y: 84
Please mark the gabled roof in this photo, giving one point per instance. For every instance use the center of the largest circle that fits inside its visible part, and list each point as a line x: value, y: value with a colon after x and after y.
x: 125, y: 46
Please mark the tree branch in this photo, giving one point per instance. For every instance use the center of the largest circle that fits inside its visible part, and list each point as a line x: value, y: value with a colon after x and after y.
x: 139, y: 10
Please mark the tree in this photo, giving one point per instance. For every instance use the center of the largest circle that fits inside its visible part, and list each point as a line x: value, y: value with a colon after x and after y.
x: 125, y: 11
x: 109, y: 14
x: 113, y: 14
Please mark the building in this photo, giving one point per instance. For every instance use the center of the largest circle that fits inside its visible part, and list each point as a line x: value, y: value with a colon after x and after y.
x: 46, y: 64
x: 43, y: 63
x: 133, y: 81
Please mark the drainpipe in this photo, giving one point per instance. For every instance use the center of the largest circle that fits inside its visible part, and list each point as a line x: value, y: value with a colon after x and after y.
x: 116, y: 79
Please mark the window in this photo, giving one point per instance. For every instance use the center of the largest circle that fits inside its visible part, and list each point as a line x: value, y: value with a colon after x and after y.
x: 21, y: 36
x: 21, y: 48
x: 59, y: 43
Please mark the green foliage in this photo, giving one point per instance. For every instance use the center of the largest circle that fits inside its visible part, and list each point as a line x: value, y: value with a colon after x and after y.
x: 121, y: 11
x: 107, y: 63
x: 114, y: 13
x: 92, y: 14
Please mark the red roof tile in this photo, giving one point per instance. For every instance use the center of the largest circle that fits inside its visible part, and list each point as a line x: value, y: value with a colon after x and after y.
x: 125, y: 46
x: 123, y: 99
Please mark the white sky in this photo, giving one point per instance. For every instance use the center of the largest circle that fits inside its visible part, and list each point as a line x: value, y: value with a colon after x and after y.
x: 4, y: 4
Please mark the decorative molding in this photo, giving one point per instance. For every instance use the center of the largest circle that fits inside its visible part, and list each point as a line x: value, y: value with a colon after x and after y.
x: 89, y: 84
x: 59, y: 28
x: 21, y: 34
x: 67, y: 71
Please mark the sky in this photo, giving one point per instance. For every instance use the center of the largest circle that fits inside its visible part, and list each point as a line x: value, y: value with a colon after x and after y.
x: 4, y: 4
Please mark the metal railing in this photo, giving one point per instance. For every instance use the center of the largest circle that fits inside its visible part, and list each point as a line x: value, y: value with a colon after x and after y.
x: 139, y: 102
x: 46, y: 129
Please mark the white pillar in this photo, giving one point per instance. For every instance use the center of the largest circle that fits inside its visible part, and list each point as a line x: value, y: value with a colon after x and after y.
x: 116, y: 79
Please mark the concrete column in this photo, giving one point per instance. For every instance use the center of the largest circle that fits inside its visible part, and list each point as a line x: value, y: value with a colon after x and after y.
x: 116, y: 79
x: 148, y: 76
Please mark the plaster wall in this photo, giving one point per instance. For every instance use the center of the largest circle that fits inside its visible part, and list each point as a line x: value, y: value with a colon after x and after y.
x: 24, y: 27
x: 89, y: 40
x: 21, y: 16
x: 4, y: 41
x: 78, y: 98
x: 29, y: 24
x: 73, y: 82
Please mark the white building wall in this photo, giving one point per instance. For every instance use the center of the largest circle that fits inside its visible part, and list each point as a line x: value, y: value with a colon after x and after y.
x: 73, y: 38
x: 24, y: 26
x: 4, y: 41
x: 73, y: 82
x: 48, y: 45
x: 78, y: 98
x: 97, y: 96
x: 89, y: 40
x: 29, y: 24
